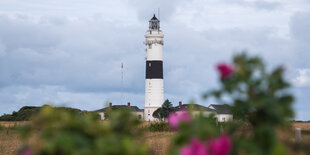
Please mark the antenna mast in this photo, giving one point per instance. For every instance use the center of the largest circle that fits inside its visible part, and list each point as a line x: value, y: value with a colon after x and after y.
x: 158, y: 14
x: 122, y: 82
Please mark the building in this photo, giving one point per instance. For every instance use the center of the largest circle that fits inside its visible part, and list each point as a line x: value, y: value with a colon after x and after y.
x: 154, y: 84
x: 223, y: 112
x: 195, y: 108
x: 134, y: 109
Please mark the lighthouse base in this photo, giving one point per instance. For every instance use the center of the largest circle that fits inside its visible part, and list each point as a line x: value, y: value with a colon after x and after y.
x: 154, y: 97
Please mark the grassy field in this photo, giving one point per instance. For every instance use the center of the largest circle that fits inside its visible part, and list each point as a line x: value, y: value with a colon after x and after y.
x: 302, y: 125
x: 158, y: 142
x: 10, y: 142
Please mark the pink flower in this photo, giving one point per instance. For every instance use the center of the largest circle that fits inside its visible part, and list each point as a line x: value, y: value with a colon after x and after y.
x: 25, y: 152
x: 196, y: 147
x: 220, y: 146
x: 174, y: 119
x: 225, y: 70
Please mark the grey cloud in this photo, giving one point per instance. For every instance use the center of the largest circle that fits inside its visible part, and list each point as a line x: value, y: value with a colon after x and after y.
x: 299, y: 31
x: 75, y: 60
x: 14, y: 97
x: 301, y: 105
x: 79, y: 54
x: 189, y: 63
x: 257, y: 4
x: 300, y: 26
x: 145, y: 9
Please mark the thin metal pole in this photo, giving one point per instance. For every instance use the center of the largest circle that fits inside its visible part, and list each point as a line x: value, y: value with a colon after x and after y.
x: 158, y: 14
x: 122, y: 83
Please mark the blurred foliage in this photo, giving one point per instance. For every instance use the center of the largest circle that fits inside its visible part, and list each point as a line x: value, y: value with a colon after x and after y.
x: 260, y: 101
x: 200, y: 127
x: 260, y: 98
x: 159, y: 127
x: 62, y: 132
x: 2, y: 127
x: 163, y: 112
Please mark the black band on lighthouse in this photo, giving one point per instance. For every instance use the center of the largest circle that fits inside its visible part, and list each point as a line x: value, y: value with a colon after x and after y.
x: 154, y: 69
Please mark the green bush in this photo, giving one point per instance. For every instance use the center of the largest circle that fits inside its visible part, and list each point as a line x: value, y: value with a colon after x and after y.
x: 159, y: 127
x: 1, y: 127
x: 261, y: 102
x: 62, y: 132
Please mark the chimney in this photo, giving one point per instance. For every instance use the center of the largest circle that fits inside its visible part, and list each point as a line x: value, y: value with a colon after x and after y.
x: 180, y: 103
x: 128, y: 104
x: 110, y: 104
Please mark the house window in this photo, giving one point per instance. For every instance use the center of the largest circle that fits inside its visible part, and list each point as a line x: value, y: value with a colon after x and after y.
x: 140, y: 116
x: 150, y: 64
x: 223, y: 119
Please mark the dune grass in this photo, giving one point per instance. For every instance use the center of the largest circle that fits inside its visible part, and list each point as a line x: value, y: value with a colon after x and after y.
x: 158, y: 142
x: 10, y: 142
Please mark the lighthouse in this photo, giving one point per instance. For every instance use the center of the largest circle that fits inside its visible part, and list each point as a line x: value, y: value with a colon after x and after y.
x: 154, y: 84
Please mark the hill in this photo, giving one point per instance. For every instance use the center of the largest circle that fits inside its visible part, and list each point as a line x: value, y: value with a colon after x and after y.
x: 26, y: 112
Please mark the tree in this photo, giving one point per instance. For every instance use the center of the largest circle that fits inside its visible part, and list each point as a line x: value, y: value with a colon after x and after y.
x: 156, y: 114
x: 164, y: 111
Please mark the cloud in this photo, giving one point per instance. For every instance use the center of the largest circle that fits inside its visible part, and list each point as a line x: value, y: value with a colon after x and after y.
x: 303, y: 78
x: 302, y: 105
x: 2, y: 49
x: 257, y: 4
x: 265, y: 5
x: 69, y: 52
x: 62, y: 55
x: 14, y: 97
x: 300, y: 24
x: 145, y: 9
x: 299, y: 31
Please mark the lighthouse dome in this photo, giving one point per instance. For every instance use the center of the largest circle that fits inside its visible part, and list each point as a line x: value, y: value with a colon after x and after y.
x: 154, y: 23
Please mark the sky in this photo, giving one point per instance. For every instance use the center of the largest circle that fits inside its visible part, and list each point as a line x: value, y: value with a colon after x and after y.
x: 69, y: 52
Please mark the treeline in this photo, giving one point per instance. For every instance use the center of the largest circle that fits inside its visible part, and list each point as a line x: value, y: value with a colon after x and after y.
x: 300, y: 121
x: 26, y: 113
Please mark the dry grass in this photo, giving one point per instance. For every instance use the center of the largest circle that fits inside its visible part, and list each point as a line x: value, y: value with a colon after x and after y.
x: 158, y: 142
x: 302, y: 125
x: 8, y: 124
x: 9, y: 142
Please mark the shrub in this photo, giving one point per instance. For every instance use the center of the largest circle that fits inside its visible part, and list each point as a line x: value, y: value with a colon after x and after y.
x: 260, y: 102
x: 159, y: 127
x: 65, y: 132
x: 2, y: 127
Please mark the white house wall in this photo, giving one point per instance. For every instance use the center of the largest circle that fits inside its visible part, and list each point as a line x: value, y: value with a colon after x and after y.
x: 224, y: 117
x: 101, y: 115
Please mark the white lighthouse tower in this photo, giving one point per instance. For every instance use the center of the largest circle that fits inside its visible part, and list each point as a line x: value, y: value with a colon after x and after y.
x: 154, y: 84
